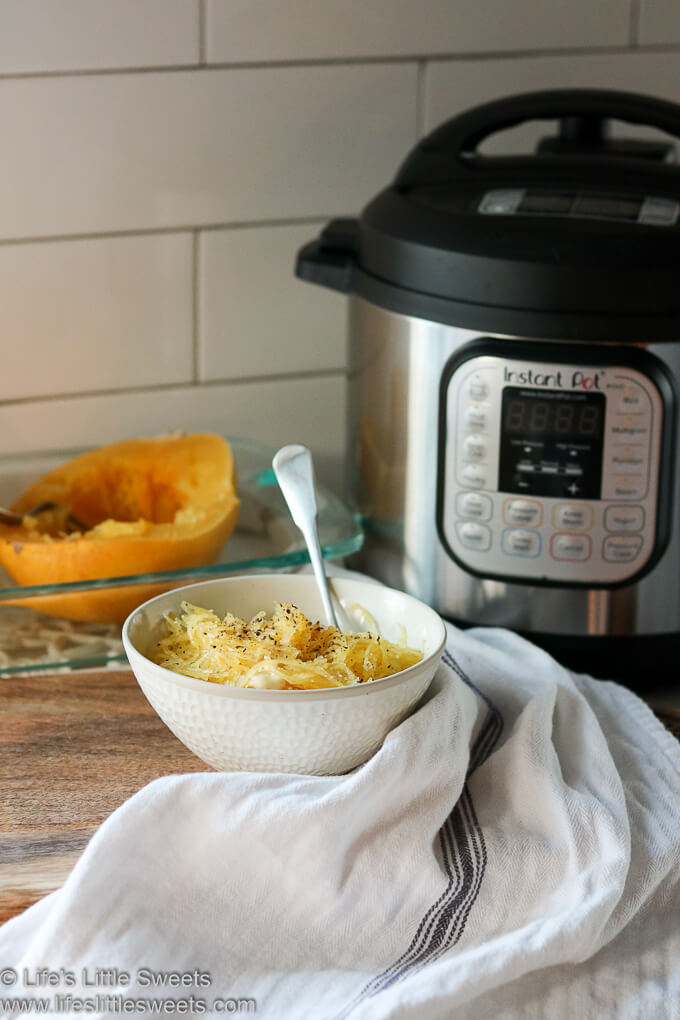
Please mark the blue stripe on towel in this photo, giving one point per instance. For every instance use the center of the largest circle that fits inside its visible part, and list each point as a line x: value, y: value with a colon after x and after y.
x: 463, y: 853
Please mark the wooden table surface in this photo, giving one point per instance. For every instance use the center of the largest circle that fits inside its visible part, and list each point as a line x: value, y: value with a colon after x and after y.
x: 73, y: 747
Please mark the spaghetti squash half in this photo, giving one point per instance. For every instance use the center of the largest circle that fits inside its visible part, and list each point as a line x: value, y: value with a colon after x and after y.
x: 138, y: 506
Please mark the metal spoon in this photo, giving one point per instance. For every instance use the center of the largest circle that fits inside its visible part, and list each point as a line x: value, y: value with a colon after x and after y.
x: 295, y: 474
x: 12, y: 518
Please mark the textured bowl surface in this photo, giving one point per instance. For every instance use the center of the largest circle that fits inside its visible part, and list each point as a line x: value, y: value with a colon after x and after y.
x: 320, y: 732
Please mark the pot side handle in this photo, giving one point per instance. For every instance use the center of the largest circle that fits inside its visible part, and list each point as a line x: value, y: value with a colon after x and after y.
x: 330, y: 259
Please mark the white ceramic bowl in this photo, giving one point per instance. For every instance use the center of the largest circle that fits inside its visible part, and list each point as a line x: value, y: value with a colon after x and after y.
x: 319, y: 732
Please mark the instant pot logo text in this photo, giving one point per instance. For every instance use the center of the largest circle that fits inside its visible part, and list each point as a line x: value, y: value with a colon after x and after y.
x: 557, y: 379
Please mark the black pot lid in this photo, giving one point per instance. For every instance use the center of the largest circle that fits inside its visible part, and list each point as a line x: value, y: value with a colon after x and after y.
x: 580, y: 239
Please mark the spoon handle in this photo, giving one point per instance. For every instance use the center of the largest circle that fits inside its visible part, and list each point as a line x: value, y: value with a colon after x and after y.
x: 295, y: 474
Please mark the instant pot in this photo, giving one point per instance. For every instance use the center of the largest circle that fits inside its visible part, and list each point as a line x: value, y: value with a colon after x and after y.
x: 514, y: 358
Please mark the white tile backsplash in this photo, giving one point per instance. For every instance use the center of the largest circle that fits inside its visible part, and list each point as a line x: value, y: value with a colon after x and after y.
x: 268, y: 30
x: 309, y: 411
x: 171, y: 149
x: 256, y: 318
x: 95, y: 314
x: 163, y: 160
x: 659, y: 22
x: 72, y: 35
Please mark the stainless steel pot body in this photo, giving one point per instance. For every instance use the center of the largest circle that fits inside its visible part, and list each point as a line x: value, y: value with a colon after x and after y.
x: 395, y: 369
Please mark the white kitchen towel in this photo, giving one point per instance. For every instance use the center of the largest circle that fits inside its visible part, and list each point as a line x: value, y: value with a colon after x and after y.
x: 513, y: 850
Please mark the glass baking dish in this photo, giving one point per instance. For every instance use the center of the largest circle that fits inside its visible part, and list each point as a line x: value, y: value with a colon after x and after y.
x: 265, y: 538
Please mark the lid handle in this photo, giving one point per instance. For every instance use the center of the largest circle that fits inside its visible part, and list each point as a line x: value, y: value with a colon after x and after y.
x: 458, y: 139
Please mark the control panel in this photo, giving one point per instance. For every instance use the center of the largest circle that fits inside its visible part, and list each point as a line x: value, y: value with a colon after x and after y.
x: 549, y: 470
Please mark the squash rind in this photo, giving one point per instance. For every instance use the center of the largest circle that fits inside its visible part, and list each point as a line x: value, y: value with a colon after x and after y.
x: 187, y: 483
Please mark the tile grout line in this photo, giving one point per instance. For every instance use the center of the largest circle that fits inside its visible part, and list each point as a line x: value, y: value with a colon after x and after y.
x: 634, y: 24
x: 201, y: 34
x: 208, y: 384
x: 421, y: 98
x: 181, y: 228
x: 614, y: 49
x: 196, y: 324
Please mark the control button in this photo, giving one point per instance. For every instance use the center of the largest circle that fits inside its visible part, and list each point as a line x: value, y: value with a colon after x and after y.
x: 474, y: 447
x: 478, y: 387
x: 477, y: 416
x: 573, y: 488
x: 574, y: 516
x: 628, y: 460
x: 570, y: 547
x: 626, y: 488
x: 474, y: 504
x: 517, y: 542
x: 621, y: 548
x: 475, y: 476
x: 629, y: 428
x: 659, y: 212
x: 526, y: 512
x: 624, y: 518
x: 501, y: 201
x: 631, y: 400
x: 473, y: 535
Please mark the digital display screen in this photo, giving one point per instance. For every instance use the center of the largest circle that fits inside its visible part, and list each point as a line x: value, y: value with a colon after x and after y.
x: 551, y: 442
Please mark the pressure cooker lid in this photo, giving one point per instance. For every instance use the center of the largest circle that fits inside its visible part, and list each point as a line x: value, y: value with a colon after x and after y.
x: 580, y: 238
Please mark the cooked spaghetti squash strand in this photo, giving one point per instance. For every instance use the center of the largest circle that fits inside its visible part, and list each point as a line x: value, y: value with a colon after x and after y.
x: 285, y: 652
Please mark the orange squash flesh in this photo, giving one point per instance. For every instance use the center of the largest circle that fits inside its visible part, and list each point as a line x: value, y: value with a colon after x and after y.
x: 148, y: 505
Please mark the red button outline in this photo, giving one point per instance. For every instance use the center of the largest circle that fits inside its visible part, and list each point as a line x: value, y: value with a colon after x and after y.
x: 571, y: 559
